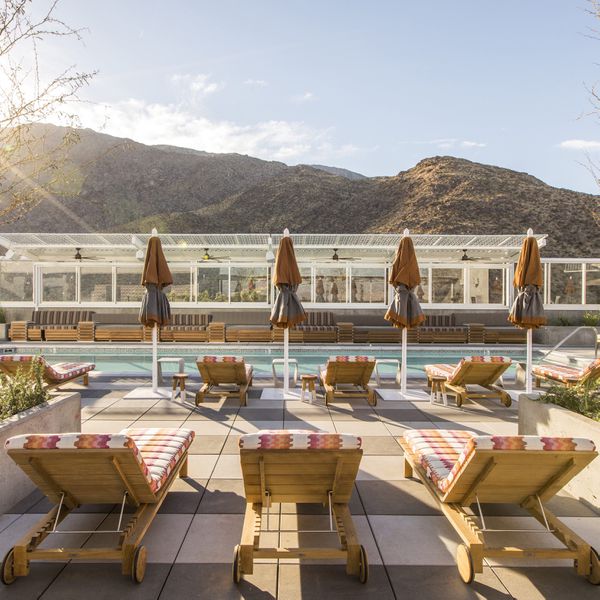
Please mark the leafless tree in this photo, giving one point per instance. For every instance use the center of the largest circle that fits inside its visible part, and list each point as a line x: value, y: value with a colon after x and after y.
x: 33, y: 164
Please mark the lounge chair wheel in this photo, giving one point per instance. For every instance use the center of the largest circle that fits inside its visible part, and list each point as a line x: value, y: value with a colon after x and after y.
x: 459, y: 400
x: 506, y: 400
x: 465, y: 563
x: 594, y: 576
x: 363, y: 574
x: 138, y: 569
x: 236, y: 570
x: 7, y: 574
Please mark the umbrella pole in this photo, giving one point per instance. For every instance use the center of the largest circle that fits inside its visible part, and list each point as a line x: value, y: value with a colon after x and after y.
x: 155, y: 358
x: 528, y: 383
x: 286, y: 361
x: 403, y: 361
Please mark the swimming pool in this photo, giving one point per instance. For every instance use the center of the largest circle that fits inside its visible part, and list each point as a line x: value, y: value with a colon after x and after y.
x: 136, y: 359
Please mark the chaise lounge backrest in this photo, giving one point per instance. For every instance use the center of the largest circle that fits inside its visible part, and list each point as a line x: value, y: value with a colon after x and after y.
x: 480, y: 370
x: 355, y: 370
x: 10, y: 364
x: 222, y: 370
x: 299, y: 466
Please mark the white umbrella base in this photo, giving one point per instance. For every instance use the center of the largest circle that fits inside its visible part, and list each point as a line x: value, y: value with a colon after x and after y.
x: 280, y: 394
x: 146, y: 393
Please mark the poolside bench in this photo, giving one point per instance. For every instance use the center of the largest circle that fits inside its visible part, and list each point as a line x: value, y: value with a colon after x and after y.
x: 50, y: 325
x: 117, y: 327
x: 186, y: 327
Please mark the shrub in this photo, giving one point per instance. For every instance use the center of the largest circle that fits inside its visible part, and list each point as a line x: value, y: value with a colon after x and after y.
x: 591, y: 319
x: 25, y: 389
x: 582, y: 399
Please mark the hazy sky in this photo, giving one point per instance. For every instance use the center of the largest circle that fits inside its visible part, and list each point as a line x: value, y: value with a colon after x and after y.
x: 373, y: 86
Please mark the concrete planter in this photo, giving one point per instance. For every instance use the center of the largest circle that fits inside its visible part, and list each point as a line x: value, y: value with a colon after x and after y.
x: 61, y: 414
x: 539, y: 418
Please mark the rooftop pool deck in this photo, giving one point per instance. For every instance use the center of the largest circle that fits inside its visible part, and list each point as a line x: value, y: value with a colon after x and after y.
x: 411, y: 546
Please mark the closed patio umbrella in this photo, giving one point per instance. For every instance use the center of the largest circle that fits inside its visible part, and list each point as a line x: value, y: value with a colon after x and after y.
x: 287, y: 310
x: 527, y: 310
x: 405, y: 309
x: 155, y: 310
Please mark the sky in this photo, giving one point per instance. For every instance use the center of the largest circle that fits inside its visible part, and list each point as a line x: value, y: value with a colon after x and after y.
x: 372, y: 86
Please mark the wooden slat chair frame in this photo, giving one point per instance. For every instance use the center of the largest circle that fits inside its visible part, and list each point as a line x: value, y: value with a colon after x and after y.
x: 299, y: 476
x: 527, y: 478
x: 117, y: 478
x: 483, y: 374
x: 11, y: 368
x: 352, y: 373
x: 216, y: 374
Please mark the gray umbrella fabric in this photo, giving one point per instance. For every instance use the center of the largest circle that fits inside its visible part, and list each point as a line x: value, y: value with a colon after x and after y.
x: 287, y: 310
x: 405, y: 309
x: 155, y: 307
x: 528, y: 308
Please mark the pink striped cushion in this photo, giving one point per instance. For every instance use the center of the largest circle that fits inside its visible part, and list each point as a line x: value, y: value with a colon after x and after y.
x: 216, y: 359
x: 298, y: 439
x: 351, y: 359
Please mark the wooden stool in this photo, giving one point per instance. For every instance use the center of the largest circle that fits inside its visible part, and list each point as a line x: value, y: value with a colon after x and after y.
x: 179, y: 381
x: 438, y: 389
x: 309, y: 386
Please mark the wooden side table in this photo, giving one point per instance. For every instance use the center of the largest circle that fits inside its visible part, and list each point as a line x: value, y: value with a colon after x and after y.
x: 179, y: 382
x: 438, y: 389
x: 309, y: 387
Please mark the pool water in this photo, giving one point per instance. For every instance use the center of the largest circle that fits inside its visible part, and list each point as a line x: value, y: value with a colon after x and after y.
x: 138, y: 359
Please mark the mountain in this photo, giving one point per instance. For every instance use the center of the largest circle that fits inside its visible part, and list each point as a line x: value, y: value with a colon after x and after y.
x: 352, y: 175
x: 121, y: 185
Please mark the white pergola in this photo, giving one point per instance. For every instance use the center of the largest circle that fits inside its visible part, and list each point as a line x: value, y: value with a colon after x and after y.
x: 241, y: 247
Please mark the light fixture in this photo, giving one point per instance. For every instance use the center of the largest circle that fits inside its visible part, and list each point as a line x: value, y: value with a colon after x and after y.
x: 139, y: 255
x: 335, y: 255
x: 270, y: 255
x: 77, y: 254
x: 206, y: 254
x: 9, y: 254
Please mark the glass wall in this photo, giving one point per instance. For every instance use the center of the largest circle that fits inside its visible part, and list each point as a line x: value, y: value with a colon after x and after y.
x: 129, y: 287
x: 592, y: 283
x: 486, y: 285
x: 304, y: 291
x: 566, y: 282
x: 16, y: 282
x: 422, y: 290
x: 213, y: 284
x: 59, y: 284
x: 180, y: 290
x: 249, y: 284
x: 367, y: 285
x: 448, y: 286
x: 330, y: 285
x: 95, y: 284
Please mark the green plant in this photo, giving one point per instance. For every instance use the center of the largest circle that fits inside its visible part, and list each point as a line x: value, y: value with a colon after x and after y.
x: 582, y: 399
x: 563, y: 321
x: 25, y: 389
x: 591, y: 319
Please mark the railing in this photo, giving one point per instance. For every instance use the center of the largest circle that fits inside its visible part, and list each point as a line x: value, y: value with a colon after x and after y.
x: 569, y: 336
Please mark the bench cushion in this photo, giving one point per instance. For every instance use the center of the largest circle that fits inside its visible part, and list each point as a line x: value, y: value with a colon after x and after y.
x: 351, y: 359
x: 443, y: 453
x: 298, y: 439
x: 157, y: 450
x: 217, y: 359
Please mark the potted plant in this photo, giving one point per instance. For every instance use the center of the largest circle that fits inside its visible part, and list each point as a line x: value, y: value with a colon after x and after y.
x: 27, y: 408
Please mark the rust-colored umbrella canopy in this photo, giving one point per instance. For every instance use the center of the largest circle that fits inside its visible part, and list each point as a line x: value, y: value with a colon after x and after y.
x: 405, y: 309
x: 287, y: 310
x: 527, y: 310
x: 155, y: 307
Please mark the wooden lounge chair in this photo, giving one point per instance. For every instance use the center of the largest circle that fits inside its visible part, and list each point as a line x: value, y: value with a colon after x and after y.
x: 54, y: 375
x: 348, y: 377
x: 135, y: 467
x: 483, y: 371
x: 299, y: 467
x: 224, y: 370
x: 460, y: 469
x: 568, y: 376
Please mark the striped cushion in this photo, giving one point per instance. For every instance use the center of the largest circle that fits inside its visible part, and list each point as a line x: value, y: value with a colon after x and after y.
x: 443, y: 453
x: 157, y: 450
x: 216, y: 359
x: 320, y: 318
x: 298, y: 439
x: 565, y: 374
x: 439, y: 370
x: 351, y: 359
x: 57, y: 372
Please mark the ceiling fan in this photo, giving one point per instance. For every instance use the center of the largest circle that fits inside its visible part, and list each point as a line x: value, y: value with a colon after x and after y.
x: 465, y: 256
x: 79, y: 257
x: 337, y: 257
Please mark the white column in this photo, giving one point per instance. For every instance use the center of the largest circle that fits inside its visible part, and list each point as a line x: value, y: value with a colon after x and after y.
x: 403, y: 374
x: 286, y: 361
x: 155, y: 358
